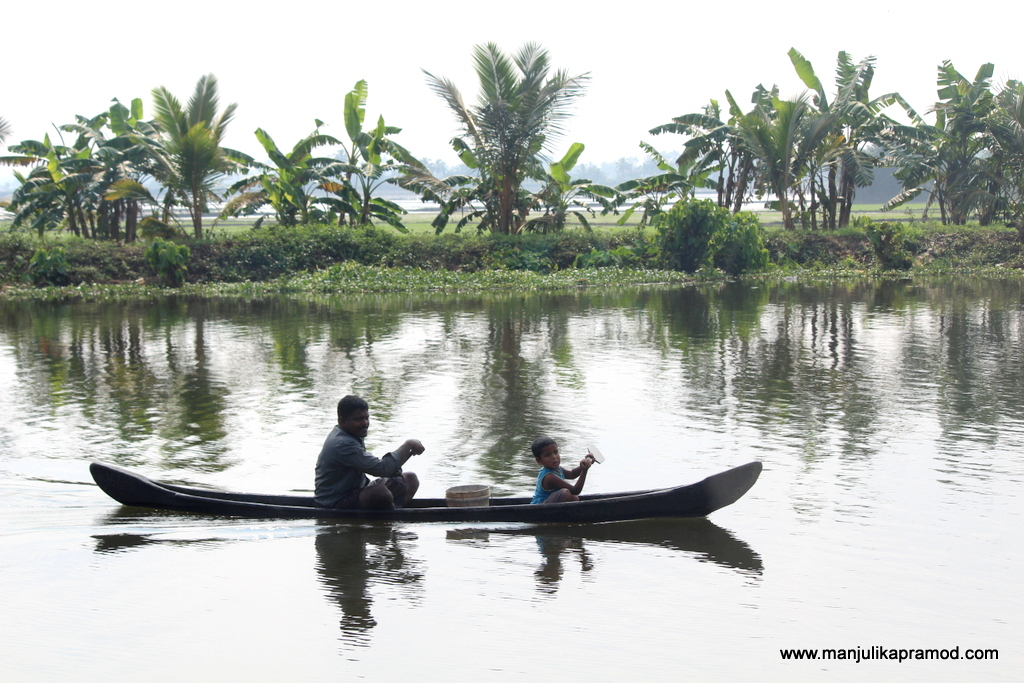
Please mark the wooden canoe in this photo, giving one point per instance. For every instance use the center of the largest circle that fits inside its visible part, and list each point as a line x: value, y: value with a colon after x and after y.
x: 694, y: 500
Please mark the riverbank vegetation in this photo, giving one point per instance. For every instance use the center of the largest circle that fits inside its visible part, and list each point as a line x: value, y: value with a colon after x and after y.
x: 123, y: 177
x: 326, y: 258
x: 104, y: 209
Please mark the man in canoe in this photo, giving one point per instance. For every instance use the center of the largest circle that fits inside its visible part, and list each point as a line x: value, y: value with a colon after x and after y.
x: 341, y: 469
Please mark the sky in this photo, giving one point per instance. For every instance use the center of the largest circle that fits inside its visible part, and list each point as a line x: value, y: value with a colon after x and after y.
x: 288, y: 63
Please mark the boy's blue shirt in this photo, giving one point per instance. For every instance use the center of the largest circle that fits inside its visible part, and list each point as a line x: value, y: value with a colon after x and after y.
x: 540, y: 494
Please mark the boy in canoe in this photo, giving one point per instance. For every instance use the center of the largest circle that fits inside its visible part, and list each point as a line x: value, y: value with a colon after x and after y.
x: 552, y: 486
x: 341, y: 469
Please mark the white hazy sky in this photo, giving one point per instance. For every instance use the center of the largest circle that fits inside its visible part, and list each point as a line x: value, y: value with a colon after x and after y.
x: 286, y: 63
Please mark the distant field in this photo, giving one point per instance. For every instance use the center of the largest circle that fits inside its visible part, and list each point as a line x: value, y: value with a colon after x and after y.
x: 420, y: 221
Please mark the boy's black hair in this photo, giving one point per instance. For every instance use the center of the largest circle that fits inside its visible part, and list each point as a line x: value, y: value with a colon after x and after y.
x: 350, y: 404
x: 540, y: 444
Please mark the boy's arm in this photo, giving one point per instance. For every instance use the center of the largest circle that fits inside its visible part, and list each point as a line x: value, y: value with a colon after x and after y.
x: 578, y: 486
x: 552, y: 481
x: 583, y: 467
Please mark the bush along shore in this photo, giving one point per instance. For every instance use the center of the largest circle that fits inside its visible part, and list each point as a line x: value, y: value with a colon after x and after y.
x: 325, y: 259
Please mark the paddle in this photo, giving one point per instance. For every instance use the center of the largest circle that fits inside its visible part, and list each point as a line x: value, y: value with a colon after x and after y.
x: 598, y: 458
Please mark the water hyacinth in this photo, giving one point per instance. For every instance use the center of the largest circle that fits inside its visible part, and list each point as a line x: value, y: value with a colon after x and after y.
x: 351, y: 277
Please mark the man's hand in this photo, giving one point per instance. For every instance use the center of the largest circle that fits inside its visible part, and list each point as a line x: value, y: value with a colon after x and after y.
x: 412, y: 446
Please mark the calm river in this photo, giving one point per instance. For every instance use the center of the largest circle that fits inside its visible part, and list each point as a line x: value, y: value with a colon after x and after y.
x: 889, y: 417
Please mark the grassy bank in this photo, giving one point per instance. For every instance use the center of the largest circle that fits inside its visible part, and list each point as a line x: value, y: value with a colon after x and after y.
x: 323, y: 259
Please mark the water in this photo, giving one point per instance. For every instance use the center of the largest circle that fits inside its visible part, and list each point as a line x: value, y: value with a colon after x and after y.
x: 888, y: 416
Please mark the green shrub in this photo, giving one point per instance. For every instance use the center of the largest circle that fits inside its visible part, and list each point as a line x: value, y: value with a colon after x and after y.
x: 686, y: 236
x: 168, y: 260
x: 605, y: 258
x: 48, y: 267
x: 887, y: 239
x: 697, y: 234
x: 739, y: 247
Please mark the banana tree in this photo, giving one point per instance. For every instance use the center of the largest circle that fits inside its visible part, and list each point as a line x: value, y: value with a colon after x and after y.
x: 651, y: 194
x: 848, y: 155
x: 951, y: 159
x: 57, y: 190
x: 124, y: 165
x: 368, y: 159
x: 288, y: 185
x: 1006, y: 126
x: 714, y: 148
x: 563, y: 197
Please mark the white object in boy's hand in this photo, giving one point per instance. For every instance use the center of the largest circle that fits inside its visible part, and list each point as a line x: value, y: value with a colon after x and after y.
x: 598, y: 458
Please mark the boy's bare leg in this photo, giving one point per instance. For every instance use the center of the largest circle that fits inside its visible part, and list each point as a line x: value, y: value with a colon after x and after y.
x: 562, y: 496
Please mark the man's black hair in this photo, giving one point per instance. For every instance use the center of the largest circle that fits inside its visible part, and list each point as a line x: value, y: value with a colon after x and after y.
x: 540, y: 444
x: 350, y: 404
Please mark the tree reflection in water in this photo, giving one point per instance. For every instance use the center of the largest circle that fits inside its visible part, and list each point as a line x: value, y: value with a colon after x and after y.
x: 351, y: 560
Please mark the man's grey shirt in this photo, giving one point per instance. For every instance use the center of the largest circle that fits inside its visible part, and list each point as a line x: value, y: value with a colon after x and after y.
x: 343, y: 465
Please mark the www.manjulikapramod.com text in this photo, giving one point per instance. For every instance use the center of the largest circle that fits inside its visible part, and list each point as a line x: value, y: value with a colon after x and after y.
x: 890, y: 654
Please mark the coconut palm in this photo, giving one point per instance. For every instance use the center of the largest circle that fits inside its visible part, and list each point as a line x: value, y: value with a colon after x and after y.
x: 5, y: 129
x: 186, y: 146
x: 520, y: 112
x: 782, y: 137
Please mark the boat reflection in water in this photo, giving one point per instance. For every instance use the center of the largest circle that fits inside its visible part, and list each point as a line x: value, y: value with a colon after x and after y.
x: 704, y: 539
x: 352, y: 559
x: 355, y: 562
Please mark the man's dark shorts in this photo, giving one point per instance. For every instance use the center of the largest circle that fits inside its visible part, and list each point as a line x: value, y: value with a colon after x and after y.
x: 350, y: 501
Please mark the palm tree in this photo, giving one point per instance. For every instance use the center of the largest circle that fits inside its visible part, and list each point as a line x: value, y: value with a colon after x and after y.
x: 782, y: 137
x: 186, y: 144
x: 5, y: 129
x: 520, y: 112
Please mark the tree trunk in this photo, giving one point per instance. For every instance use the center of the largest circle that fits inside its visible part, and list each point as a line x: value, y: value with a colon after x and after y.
x: 197, y: 215
x: 846, y: 199
x: 833, y: 197
x: 72, y: 223
x: 814, y: 206
x: 102, y: 221
x: 131, y: 221
x: 115, y: 221
x: 741, y: 187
